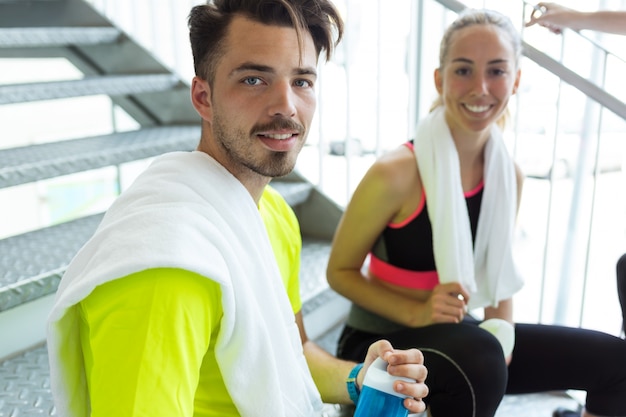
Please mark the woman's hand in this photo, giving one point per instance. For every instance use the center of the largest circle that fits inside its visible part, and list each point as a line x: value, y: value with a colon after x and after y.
x: 552, y: 16
x: 448, y: 303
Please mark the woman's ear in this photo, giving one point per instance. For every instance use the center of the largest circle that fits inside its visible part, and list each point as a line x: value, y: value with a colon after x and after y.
x: 438, y: 81
x: 201, y: 98
x: 516, y: 84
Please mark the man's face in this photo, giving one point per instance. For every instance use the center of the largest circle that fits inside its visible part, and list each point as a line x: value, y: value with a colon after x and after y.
x: 262, y: 100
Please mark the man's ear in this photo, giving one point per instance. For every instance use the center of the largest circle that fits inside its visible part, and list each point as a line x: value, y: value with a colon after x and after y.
x: 201, y: 98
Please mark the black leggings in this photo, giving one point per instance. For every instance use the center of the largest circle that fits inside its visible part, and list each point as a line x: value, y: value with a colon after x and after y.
x: 621, y: 287
x: 467, y: 374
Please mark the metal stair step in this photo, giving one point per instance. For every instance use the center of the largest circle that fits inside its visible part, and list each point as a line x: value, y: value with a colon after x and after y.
x: 313, y: 271
x: 25, y: 385
x: 56, y: 36
x: 33, y: 263
x: 38, y: 162
x: 112, y: 85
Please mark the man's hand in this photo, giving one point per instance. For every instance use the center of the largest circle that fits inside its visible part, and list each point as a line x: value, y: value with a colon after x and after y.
x: 402, y: 363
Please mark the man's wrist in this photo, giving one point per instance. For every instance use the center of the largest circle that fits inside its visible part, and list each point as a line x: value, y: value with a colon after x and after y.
x: 351, y: 383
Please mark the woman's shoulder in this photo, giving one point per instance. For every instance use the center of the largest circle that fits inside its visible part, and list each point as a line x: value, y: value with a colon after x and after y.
x: 397, y: 168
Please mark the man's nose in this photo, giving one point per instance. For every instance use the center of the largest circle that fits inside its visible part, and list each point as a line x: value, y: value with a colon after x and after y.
x: 282, y: 100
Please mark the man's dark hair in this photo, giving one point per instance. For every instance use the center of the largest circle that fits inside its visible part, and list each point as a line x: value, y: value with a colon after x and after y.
x: 208, y: 25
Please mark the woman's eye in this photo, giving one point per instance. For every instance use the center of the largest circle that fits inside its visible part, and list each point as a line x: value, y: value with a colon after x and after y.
x: 462, y: 71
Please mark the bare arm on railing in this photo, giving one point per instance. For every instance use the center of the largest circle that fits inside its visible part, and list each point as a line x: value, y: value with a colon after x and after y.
x: 556, y: 17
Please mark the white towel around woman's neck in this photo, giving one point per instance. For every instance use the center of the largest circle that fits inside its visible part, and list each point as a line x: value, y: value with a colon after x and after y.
x: 187, y: 211
x: 487, y: 270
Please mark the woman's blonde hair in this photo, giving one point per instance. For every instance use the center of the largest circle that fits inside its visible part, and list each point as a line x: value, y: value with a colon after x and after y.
x: 471, y: 17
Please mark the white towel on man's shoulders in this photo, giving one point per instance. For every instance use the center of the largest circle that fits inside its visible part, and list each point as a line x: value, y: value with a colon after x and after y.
x: 487, y: 270
x: 187, y: 211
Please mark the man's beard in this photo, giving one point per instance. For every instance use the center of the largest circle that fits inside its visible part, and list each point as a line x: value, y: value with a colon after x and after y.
x: 236, y: 144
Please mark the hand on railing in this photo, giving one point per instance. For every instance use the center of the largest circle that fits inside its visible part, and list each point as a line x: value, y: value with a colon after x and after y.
x: 556, y: 17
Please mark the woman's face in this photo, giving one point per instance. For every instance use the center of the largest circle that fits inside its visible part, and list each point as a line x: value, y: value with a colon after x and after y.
x: 477, y: 77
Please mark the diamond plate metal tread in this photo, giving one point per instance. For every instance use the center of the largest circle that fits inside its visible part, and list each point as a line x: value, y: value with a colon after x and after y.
x: 25, y: 385
x: 313, y: 263
x: 56, y: 36
x: 38, y: 162
x: 112, y: 85
x: 314, y: 288
x: 32, y: 263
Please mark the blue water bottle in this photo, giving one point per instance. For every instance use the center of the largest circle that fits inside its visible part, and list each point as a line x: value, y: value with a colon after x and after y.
x: 378, y: 398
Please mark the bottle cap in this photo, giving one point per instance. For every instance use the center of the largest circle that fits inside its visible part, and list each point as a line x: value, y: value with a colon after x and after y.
x: 379, y: 379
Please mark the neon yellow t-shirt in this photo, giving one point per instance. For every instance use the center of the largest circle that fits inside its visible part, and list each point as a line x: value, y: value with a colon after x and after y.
x: 149, y: 339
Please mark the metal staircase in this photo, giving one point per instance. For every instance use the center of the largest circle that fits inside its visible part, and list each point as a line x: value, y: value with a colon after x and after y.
x: 32, y: 263
x: 114, y: 65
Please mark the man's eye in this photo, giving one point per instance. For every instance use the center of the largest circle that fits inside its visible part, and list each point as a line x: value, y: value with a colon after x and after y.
x: 251, y: 81
x: 303, y: 83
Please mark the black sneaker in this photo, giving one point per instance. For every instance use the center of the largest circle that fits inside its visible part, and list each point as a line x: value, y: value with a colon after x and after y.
x: 564, y: 412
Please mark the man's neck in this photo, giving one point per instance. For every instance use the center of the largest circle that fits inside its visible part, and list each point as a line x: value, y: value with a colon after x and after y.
x: 256, y: 186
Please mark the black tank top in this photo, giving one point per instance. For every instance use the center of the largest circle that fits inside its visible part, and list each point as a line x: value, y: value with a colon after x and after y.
x: 411, y: 245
